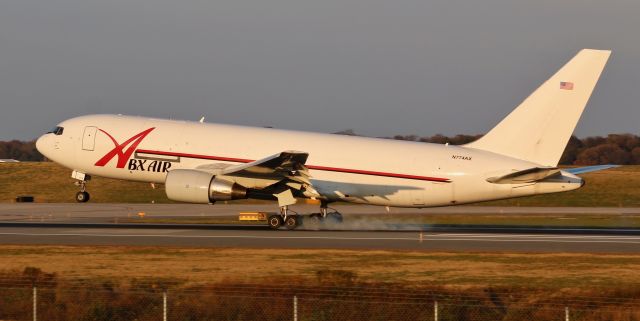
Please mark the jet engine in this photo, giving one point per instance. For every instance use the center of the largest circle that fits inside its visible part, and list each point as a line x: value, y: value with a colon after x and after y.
x: 194, y: 186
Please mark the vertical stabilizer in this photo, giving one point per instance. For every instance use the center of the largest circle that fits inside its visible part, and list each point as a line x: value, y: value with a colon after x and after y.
x: 539, y: 129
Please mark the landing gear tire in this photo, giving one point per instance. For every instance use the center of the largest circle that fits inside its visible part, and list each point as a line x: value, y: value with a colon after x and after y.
x: 313, y: 221
x: 334, y: 217
x: 291, y: 222
x: 82, y: 197
x: 275, y: 221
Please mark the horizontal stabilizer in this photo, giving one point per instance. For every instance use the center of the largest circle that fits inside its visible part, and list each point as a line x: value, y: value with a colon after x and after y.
x: 528, y: 175
x: 588, y: 169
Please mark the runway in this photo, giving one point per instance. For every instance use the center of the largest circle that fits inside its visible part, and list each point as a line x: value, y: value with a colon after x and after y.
x: 77, y: 224
x: 252, y: 238
x: 96, y: 212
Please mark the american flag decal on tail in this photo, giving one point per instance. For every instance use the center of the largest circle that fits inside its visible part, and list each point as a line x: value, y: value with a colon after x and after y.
x: 566, y: 85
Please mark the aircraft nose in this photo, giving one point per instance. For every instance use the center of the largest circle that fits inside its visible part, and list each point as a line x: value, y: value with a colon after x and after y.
x: 42, y: 146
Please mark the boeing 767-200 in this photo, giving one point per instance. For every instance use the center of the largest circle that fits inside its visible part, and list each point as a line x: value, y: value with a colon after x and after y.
x: 204, y: 163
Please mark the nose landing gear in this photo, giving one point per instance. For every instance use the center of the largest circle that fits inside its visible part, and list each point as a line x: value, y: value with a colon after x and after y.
x: 82, y: 196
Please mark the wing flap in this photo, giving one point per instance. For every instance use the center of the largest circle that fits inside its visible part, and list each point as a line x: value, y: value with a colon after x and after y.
x: 288, y: 166
x: 285, y: 165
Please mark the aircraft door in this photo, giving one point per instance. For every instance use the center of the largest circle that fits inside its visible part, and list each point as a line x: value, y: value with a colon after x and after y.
x: 89, y: 138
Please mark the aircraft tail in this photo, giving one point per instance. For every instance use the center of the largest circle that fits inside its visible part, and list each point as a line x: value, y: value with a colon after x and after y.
x: 539, y: 129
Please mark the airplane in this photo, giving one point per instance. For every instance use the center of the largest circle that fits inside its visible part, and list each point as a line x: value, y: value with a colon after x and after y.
x: 204, y: 163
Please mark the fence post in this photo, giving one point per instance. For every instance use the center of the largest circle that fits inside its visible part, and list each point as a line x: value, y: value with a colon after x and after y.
x: 435, y: 310
x: 164, y: 305
x: 35, y: 303
x: 295, y: 308
x: 566, y: 313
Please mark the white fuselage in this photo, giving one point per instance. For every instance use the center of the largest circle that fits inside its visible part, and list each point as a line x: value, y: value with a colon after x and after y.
x: 347, y: 168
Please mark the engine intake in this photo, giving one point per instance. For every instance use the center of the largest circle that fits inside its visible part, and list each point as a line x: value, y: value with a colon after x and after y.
x: 194, y: 186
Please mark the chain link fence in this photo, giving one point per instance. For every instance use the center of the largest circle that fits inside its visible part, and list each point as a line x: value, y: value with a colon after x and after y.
x: 103, y: 303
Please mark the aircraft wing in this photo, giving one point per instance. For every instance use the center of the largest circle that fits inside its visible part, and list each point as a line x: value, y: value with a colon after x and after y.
x: 288, y: 165
x: 587, y: 169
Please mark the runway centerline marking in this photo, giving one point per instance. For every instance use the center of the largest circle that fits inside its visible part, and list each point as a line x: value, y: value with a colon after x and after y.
x: 412, y: 239
x: 215, y: 236
x: 537, y: 236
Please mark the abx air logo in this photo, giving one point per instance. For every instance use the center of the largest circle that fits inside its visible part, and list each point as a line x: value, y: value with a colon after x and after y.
x: 124, y: 156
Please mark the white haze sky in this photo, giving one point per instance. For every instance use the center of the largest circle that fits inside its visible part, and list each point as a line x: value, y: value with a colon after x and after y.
x: 380, y: 67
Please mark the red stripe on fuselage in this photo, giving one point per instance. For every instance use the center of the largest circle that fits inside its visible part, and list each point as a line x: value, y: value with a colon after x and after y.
x: 314, y: 167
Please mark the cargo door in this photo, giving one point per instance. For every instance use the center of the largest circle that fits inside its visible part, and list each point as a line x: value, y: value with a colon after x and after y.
x: 89, y: 138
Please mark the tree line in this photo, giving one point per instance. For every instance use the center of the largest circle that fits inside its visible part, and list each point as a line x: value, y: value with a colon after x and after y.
x: 20, y: 150
x: 621, y: 149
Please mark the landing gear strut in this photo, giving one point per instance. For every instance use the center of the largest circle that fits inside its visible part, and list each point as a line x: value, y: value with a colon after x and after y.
x: 324, y: 208
x: 332, y: 217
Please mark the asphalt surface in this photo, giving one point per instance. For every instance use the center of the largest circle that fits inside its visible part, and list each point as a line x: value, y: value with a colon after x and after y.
x: 96, y: 213
x: 95, y: 224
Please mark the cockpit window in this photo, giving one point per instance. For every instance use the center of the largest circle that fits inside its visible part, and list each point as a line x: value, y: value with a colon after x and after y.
x: 57, y: 130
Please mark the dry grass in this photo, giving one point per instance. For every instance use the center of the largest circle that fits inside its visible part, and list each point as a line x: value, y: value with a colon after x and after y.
x: 616, y: 187
x: 49, y: 182
x: 205, y: 265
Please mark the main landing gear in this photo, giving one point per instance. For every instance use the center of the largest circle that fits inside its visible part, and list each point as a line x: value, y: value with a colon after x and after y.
x: 313, y: 221
x: 285, y: 218
x: 331, y: 217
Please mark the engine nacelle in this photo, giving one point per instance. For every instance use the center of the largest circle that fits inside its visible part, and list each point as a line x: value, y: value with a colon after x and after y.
x: 194, y: 186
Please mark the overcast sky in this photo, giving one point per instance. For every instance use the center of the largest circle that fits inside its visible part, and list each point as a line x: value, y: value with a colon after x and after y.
x: 379, y: 67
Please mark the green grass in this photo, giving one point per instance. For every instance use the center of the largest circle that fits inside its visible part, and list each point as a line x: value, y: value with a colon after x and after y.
x: 48, y: 182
